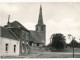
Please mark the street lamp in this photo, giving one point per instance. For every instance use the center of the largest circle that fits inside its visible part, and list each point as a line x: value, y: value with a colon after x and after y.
x: 69, y: 35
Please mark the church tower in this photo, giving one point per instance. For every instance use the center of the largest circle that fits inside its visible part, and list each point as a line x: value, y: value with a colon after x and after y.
x: 41, y: 27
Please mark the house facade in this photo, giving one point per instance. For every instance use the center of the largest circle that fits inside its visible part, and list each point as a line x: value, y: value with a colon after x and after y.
x: 9, y: 44
x: 9, y: 47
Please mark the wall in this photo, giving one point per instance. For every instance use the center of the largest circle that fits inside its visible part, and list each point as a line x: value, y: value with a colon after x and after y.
x: 24, y: 38
x: 11, y: 44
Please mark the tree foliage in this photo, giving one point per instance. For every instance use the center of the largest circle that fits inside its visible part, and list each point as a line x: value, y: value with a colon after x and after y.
x: 58, y: 41
x: 74, y: 42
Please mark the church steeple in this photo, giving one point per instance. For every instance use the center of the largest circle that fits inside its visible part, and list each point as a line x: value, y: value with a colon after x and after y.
x: 40, y: 19
x: 40, y: 27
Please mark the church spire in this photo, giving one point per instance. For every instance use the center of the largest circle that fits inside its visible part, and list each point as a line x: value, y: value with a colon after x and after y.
x: 40, y: 20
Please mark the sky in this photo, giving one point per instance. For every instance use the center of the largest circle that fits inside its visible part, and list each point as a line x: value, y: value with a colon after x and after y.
x: 59, y: 17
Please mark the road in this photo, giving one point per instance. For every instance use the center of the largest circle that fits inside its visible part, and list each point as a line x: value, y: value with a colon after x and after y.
x: 56, y: 55
x: 47, y: 55
x: 67, y: 53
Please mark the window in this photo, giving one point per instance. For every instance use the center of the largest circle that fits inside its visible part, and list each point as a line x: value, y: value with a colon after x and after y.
x: 36, y: 28
x: 27, y: 35
x: 37, y: 44
x: 23, y: 34
x: 30, y: 43
x: 14, y: 48
x: 42, y: 28
x: 6, y: 47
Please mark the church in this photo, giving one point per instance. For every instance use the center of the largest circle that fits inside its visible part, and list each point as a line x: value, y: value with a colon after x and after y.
x: 39, y: 35
x: 16, y: 39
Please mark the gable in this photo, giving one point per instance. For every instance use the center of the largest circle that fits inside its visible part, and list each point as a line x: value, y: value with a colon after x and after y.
x: 5, y: 33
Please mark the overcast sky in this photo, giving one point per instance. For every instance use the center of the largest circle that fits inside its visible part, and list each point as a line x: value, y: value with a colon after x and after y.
x: 58, y: 17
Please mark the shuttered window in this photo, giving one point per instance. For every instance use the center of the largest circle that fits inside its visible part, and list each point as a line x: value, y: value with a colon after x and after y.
x: 6, y: 47
x: 14, y: 48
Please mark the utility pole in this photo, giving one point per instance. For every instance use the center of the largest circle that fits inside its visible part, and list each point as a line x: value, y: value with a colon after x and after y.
x: 73, y: 46
x: 69, y: 35
x: 73, y: 49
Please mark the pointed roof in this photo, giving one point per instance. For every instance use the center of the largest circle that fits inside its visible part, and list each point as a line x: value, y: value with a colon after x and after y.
x: 6, y: 33
x: 40, y: 19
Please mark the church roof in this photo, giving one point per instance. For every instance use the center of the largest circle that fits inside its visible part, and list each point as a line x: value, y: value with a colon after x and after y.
x: 16, y: 24
x: 35, y: 37
x: 6, y: 33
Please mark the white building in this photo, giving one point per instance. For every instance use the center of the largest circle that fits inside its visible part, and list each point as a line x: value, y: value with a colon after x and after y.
x: 9, y: 43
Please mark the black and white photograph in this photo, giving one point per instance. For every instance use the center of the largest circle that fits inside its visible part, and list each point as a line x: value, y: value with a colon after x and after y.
x: 39, y: 30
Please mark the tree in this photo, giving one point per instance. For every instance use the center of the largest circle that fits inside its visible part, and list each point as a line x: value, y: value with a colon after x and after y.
x: 75, y: 43
x: 58, y: 41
